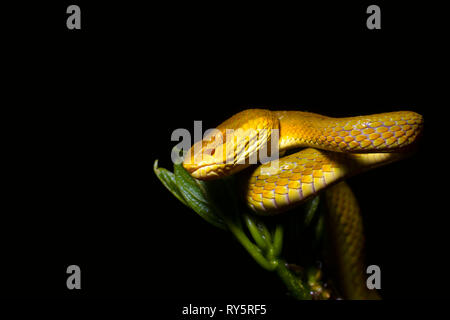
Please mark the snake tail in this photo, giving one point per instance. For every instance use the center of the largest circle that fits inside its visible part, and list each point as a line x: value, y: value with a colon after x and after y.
x: 346, y: 241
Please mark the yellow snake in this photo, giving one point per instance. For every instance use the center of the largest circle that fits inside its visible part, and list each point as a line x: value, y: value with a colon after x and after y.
x: 336, y: 148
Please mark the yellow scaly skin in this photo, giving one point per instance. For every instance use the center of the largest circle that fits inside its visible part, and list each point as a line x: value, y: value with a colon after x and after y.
x: 374, y: 133
x: 348, y: 146
x: 282, y: 184
x: 347, y: 242
x: 219, y: 154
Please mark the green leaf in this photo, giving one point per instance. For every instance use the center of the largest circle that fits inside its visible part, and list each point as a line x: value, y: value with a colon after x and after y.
x: 310, y: 209
x: 187, y: 183
x: 264, y: 231
x: 255, y: 232
x: 296, y: 287
x: 320, y: 227
x: 168, y: 180
x: 277, y: 240
x: 195, y: 194
x: 189, y: 191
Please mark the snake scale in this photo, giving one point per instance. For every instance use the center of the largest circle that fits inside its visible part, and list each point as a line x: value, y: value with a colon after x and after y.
x: 334, y: 149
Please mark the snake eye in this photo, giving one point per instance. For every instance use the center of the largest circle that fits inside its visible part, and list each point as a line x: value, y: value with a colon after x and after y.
x: 210, y: 151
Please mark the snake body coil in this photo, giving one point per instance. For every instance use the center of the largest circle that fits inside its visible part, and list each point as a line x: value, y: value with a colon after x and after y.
x: 347, y: 146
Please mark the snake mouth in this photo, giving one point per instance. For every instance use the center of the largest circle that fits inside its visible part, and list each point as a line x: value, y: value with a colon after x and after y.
x: 210, y: 171
x: 204, y: 172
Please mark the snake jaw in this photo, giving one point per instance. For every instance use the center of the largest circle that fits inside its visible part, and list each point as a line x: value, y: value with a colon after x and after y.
x: 207, y: 172
x: 206, y: 163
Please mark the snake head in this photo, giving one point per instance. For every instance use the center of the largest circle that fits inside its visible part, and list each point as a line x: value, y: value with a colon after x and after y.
x: 232, y: 146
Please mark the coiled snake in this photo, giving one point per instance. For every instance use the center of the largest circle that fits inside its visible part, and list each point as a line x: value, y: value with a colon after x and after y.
x: 336, y: 148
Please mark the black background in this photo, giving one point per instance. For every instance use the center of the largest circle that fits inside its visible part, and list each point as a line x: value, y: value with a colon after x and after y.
x: 87, y: 112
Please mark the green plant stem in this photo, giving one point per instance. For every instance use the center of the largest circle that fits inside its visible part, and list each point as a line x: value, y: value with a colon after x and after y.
x: 278, y: 240
x: 194, y: 194
x: 251, y: 248
x: 255, y: 232
x: 294, y: 285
